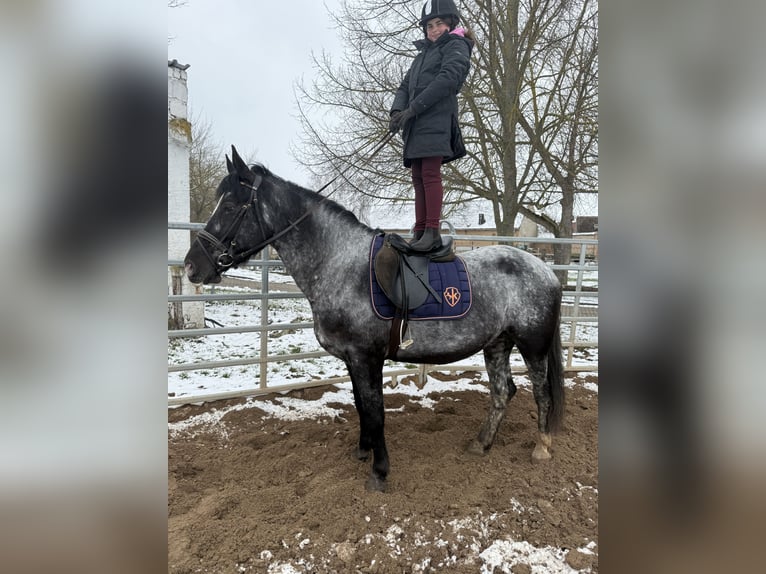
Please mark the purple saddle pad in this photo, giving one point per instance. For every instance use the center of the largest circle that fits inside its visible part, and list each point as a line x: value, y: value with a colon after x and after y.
x: 450, y: 280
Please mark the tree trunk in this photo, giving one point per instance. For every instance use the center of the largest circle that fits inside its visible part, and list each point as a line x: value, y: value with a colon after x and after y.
x: 562, y: 252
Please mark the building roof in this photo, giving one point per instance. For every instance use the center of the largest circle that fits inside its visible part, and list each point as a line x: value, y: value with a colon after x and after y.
x: 174, y: 64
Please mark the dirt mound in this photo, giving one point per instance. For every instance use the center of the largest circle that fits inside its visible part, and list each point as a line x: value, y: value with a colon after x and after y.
x: 252, y: 493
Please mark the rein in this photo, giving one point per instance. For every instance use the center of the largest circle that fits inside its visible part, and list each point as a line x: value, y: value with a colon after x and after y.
x: 228, y: 257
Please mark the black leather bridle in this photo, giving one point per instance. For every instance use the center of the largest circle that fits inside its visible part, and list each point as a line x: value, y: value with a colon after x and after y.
x: 229, y: 257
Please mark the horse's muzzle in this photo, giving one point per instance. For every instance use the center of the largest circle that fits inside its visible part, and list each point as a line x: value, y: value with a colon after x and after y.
x: 195, y: 277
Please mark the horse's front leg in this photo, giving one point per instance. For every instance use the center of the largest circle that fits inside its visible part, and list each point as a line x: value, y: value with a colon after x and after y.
x: 365, y: 442
x: 367, y: 380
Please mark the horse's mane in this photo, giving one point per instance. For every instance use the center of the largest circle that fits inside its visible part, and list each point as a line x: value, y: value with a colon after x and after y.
x: 277, y: 181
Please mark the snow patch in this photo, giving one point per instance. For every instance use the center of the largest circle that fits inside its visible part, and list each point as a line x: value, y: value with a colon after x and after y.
x: 209, y: 420
x: 504, y: 554
x: 516, y: 506
x: 283, y: 568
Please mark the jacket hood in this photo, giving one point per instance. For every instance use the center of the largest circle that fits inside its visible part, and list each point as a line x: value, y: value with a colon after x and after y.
x: 424, y: 43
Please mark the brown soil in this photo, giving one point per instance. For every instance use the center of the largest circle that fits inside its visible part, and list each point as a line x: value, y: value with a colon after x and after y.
x: 255, y: 492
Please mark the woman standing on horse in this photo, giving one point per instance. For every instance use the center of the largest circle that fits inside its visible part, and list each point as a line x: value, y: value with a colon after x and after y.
x: 425, y: 109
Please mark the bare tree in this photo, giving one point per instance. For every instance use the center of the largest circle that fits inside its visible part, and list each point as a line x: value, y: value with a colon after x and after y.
x: 352, y: 99
x: 561, y: 118
x: 206, y: 169
x: 528, y: 108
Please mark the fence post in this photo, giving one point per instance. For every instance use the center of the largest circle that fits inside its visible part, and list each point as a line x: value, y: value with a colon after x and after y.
x: 422, y: 375
x: 264, y: 352
x: 176, y: 311
x: 576, y: 307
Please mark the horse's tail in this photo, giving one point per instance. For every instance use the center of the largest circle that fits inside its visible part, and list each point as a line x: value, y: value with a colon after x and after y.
x: 556, y: 379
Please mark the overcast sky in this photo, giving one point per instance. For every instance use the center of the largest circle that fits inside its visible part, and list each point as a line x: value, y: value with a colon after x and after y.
x: 245, y: 57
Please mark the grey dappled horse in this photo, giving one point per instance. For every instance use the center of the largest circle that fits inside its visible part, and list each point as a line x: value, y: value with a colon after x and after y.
x: 516, y: 301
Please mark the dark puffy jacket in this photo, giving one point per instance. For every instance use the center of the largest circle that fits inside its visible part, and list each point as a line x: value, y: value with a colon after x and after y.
x: 431, y: 86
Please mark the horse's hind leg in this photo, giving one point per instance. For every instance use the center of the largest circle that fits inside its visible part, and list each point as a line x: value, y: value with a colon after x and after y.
x: 502, y: 389
x: 538, y: 370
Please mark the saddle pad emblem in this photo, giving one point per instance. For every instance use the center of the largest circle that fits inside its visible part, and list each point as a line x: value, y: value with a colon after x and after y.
x: 452, y: 296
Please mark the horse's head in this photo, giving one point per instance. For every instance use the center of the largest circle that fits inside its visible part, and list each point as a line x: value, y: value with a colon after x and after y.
x: 233, y: 229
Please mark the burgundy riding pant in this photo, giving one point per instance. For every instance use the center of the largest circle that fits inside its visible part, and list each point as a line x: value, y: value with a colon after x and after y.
x: 427, y: 181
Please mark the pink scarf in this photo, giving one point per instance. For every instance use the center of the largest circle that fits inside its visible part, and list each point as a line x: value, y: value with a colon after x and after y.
x: 459, y: 32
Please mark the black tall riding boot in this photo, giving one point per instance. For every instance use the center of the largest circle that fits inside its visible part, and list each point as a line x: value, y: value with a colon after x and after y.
x: 417, y: 234
x: 431, y: 239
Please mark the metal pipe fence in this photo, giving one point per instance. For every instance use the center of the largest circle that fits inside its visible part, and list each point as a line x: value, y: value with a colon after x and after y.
x: 579, y: 308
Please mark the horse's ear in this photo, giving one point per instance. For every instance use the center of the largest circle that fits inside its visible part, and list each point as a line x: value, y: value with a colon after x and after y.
x: 229, y: 165
x: 242, y: 169
x: 239, y: 163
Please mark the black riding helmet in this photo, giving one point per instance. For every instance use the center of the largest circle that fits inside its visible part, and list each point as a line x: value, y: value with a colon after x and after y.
x: 444, y: 9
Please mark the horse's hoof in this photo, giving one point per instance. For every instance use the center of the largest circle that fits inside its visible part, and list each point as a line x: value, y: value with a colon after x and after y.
x: 361, y: 454
x: 476, y: 448
x: 540, y: 454
x: 376, y: 484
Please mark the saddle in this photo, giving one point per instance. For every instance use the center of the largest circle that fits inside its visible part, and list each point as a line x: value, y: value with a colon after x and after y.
x: 403, y: 276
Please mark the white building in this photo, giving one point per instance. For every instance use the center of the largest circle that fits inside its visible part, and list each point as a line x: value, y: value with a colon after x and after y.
x: 186, y: 315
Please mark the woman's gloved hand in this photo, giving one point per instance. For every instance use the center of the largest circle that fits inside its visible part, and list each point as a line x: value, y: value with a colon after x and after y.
x: 399, y: 118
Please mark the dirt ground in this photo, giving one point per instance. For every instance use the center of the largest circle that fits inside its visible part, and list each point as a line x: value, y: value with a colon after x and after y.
x: 259, y: 494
